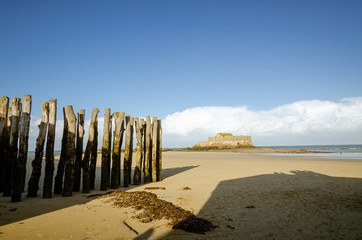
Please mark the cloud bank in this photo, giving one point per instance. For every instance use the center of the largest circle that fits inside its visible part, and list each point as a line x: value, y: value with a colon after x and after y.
x: 299, y: 123
x: 303, y: 122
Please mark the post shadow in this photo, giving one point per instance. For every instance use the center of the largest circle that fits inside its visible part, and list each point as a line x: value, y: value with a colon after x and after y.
x: 301, y: 205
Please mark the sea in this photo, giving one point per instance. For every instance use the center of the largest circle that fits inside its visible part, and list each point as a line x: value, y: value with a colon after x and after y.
x: 351, y: 151
x: 32, y: 153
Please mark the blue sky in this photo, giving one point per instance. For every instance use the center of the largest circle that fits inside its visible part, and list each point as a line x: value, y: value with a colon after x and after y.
x: 161, y: 57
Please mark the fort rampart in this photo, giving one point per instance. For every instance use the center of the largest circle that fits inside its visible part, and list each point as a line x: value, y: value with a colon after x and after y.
x: 227, y: 139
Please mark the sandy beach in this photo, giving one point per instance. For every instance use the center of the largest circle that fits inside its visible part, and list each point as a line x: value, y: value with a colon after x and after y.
x: 247, y: 196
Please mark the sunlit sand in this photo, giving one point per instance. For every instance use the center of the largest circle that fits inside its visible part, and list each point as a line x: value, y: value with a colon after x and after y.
x: 248, y: 196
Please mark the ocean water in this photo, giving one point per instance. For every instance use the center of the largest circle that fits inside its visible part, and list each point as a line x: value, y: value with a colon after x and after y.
x: 32, y: 153
x: 352, y: 151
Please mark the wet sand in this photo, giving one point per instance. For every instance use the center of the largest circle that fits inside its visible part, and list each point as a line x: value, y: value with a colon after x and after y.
x: 248, y: 196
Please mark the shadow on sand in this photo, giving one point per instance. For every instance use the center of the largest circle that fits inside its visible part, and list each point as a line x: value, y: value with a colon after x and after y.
x: 297, y: 205
x: 169, y: 172
x: 31, y: 207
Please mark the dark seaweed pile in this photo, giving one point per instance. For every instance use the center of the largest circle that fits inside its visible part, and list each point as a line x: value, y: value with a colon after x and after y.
x: 157, y: 209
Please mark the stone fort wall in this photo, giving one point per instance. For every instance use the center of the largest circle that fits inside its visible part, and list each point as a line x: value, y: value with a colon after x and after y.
x: 227, y: 139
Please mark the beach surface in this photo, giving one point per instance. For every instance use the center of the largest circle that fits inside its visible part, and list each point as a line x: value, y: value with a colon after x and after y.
x: 246, y: 195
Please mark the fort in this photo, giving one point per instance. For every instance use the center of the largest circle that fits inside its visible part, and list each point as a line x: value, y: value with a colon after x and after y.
x: 227, y: 139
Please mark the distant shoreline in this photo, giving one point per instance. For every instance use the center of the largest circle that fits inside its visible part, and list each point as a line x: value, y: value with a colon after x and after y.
x: 248, y: 149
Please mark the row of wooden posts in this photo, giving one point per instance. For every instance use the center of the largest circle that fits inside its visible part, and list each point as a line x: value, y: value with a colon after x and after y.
x: 75, y: 166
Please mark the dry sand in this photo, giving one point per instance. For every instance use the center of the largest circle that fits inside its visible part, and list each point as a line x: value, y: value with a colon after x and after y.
x: 248, y: 196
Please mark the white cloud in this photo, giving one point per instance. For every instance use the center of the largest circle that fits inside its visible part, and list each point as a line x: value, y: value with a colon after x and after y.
x: 298, y: 123
x: 303, y: 122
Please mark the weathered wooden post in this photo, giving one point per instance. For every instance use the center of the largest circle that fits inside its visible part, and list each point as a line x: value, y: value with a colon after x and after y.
x: 78, y: 151
x: 69, y: 162
x: 117, y: 144
x: 4, y: 105
x: 49, y: 151
x: 159, y: 151
x: 143, y: 131
x: 94, y: 156
x: 58, y: 182
x: 20, y: 164
x: 127, y: 152
x: 89, y: 151
x: 109, y: 160
x: 105, y: 150
x: 131, y: 151
x: 121, y: 142
x: 137, y: 171
x: 148, y: 150
x: 13, y: 146
x: 6, y: 149
x: 33, y: 185
x: 4, y: 137
x: 154, y: 148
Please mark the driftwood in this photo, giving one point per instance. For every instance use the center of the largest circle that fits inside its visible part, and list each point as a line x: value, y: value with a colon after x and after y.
x: 154, y: 148
x: 89, y: 151
x: 13, y: 146
x: 33, y: 185
x: 159, y: 151
x: 69, y: 161
x: 137, y: 171
x: 20, y: 164
x: 117, y: 144
x: 49, y: 151
x: 58, y: 182
x: 105, y: 150
x: 4, y: 137
x: 78, y: 151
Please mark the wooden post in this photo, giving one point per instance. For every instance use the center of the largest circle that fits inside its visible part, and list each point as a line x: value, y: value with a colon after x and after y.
x: 105, y: 150
x: 154, y: 148
x: 4, y: 137
x: 58, y: 182
x: 4, y: 105
x: 109, y: 151
x: 148, y: 150
x: 89, y: 151
x: 78, y: 151
x: 159, y: 150
x: 131, y: 151
x: 117, y: 144
x: 49, y: 151
x: 13, y: 146
x: 33, y: 185
x: 20, y: 164
x: 137, y: 171
x: 127, y: 152
x: 121, y: 142
x: 69, y: 162
x: 94, y: 155
x: 143, y: 131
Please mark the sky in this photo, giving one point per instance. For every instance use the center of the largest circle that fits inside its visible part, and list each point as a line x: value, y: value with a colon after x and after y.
x: 284, y: 72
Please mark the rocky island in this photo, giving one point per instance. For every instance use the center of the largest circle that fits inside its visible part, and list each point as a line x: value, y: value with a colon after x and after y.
x: 226, y: 142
